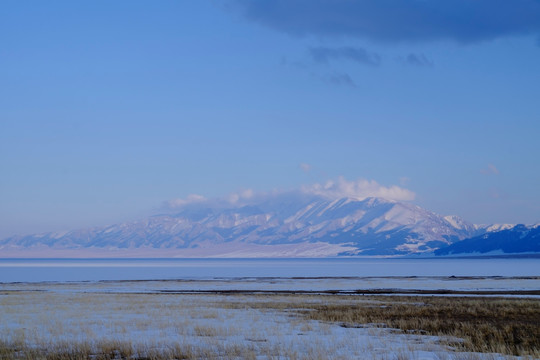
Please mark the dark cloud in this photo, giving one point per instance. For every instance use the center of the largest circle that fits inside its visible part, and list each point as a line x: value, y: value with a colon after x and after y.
x: 465, y: 21
x: 338, y: 79
x: 419, y: 60
x: 359, y: 55
x: 293, y: 64
x: 335, y: 78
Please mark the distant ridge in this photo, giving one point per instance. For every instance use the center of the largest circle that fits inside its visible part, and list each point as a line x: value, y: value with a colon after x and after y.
x: 283, y: 225
x: 514, y: 240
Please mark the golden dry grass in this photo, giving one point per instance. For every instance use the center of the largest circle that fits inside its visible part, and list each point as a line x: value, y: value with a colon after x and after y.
x: 503, y: 325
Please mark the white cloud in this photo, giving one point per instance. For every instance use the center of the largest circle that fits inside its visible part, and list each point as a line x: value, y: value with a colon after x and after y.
x: 490, y: 170
x: 332, y: 189
x: 359, y: 189
x: 235, y: 198
x: 495, y: 193
x: 404, y: 180
x: 191, y: 199
x: 305, y: 167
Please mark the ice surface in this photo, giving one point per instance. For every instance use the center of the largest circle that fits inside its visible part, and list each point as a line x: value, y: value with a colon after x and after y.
x: 12, y: 270
x: 471, y: 285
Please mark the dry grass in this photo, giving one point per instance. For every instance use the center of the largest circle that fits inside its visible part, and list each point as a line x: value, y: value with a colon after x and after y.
x: 509, y: 326
x: 506, y: 326
x: 104, y: 350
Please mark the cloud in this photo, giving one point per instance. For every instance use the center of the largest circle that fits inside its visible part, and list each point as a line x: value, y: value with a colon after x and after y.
x: 464, y: 21
x: 404, y: 180
x: 338, y: 79
x: 332, y: 189
x: 358, y: 55
x: 305, y: 167
x: 241, y: 196
x: 293, y: 64
x: 419, y: 60
x: 494, y: 193
x: 490, y: 170
x: 191, y: 199
x: 359, y: 189
x: 233, y: 199
x: 333, y: 78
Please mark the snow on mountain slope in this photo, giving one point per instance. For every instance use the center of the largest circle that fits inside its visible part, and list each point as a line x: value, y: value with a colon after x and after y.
x: 297, y: 225
x: 509, y: 240
x: 494, y: 227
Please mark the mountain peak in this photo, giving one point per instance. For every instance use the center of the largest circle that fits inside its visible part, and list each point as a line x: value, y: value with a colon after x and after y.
x: 291, y: 222
x: 459, y: 223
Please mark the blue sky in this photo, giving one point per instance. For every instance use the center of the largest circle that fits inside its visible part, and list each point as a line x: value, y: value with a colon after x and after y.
x: 110, y: 109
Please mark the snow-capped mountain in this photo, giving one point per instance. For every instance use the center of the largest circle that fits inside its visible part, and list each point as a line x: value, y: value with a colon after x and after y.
x: 500, y: 240
x: 282, y: 225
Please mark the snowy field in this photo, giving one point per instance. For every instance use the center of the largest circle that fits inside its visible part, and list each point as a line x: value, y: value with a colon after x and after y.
x: 146, y: 316
x: 240, y: 309
x: 203, y: 324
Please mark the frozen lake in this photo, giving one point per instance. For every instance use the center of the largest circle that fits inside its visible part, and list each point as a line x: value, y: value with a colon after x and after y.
x: 38, y: 270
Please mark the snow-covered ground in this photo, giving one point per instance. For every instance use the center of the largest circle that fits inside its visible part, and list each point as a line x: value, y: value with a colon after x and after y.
x: 210, y: 325
x: 44, y: 303
x: 146, y: 315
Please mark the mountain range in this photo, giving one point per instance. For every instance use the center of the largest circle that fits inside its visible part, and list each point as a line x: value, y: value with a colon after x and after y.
x: 285, y: 225
x: 517, y: 239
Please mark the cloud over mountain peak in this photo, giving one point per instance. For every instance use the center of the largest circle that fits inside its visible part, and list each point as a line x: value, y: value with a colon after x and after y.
x: 358, y: 189
x: 334, y: 189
